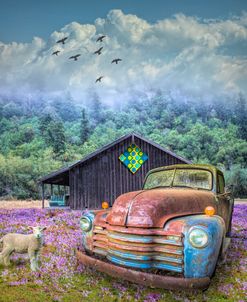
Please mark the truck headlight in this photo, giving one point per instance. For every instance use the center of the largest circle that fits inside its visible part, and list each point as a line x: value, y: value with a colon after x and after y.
x: 198, y: 238
x: 86, y: 223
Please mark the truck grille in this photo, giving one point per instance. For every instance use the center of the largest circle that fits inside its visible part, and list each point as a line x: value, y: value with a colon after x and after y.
x: 152, y: 249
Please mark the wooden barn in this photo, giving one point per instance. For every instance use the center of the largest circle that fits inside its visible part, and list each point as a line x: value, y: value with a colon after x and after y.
x: 103, y: 175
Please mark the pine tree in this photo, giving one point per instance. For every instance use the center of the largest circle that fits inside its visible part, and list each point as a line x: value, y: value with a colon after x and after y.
x: 84, y: 129
x: 97, y: 110
x: 241, y: 113
x: 44, y: 122
x: 44, y: 125
x: 57, y: 136
x: 53, y: 133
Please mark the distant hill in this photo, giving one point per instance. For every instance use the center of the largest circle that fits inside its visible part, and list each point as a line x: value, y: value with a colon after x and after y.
x: 40, y: 136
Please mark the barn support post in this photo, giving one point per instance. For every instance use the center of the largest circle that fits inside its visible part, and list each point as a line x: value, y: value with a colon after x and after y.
x: 43, y: 195
x: 64, y: 190
x: 51, y: 189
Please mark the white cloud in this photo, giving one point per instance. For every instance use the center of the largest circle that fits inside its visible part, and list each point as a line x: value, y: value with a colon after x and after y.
x: 205, y: 58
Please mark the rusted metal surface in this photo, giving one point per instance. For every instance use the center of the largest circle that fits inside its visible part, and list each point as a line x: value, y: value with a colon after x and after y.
x: 165, y: 249
x: 140, y: 231
x: 152, y: 208
x: 152, y: 229
x: 150, y: 249
x: 146, y: 279
x: 134, y: 230
x: 201, y: 262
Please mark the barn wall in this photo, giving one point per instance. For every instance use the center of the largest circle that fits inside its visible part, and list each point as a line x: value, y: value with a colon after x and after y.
x: 104, y: 177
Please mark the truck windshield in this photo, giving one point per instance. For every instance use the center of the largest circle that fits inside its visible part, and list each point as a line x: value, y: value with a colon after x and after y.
x: 192, y: 178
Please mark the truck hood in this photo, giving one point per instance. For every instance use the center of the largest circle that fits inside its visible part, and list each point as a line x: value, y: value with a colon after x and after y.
x: 152, y: 208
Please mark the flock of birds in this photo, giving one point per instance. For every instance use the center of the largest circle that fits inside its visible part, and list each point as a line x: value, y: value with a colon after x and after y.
x: 97, y: 52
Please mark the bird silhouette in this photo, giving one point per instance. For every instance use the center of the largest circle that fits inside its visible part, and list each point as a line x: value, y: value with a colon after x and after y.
x: 56, y: 52
x: 99, y: 79
x: 75, y: 57
x: 100, y: 39
x: 98, y: 52
x: 62, y: 40
x: 116, y: 61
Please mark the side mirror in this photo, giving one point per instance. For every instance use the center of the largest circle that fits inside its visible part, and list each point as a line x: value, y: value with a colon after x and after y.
x: 229, y: 188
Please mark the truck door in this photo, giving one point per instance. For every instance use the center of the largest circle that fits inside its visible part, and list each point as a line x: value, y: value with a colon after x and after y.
x: 226, y: 202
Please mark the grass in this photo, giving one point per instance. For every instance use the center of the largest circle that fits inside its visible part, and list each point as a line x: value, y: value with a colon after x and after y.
x: 61, y: 278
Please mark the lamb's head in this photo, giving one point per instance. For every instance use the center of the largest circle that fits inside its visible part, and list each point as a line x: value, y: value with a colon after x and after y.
x: 38, y: 231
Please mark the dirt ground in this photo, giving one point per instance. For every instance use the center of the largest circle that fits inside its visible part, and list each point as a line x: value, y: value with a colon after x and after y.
x: 240, y: 201
x: 16, y: 204
x: 26, y: 204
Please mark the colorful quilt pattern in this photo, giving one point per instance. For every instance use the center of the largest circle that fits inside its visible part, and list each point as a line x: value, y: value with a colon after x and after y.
x: 133, y: 158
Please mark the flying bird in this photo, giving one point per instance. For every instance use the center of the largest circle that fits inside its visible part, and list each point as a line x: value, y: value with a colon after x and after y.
x: 98, y: 52
x: 56, y: 52
x: 100, y: 39
x: 99, y: 79
x: 75, y: 57
x: 116, y: 61
x: 62, y: 40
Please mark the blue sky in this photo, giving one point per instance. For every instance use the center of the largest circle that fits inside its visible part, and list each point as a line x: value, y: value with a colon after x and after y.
x: 20, y: 20
x: 187, y: 49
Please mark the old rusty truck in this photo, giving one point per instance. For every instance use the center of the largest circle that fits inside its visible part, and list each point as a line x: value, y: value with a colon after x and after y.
x: 170, y: 234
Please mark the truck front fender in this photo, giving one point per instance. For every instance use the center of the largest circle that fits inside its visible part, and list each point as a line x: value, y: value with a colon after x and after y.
x: 200, y: 262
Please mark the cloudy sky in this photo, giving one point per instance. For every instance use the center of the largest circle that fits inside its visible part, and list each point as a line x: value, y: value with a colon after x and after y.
x: 194, y: 50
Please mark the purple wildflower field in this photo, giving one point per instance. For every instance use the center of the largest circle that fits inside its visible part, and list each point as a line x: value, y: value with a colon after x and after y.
x: 62, y: 278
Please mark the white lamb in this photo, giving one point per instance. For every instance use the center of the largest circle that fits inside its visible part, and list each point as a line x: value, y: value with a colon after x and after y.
x: 21, y: 243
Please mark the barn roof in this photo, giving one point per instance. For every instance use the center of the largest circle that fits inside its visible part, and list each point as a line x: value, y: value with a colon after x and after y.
x: 59, y: 176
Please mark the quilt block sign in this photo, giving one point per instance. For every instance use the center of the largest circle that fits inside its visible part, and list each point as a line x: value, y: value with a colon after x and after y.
x: 133, y: 158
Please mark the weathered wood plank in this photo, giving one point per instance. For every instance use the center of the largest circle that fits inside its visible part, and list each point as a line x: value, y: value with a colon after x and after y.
x: 104, y: 177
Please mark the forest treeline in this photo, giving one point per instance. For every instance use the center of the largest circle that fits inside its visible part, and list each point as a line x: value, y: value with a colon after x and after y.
x: 39, y: 137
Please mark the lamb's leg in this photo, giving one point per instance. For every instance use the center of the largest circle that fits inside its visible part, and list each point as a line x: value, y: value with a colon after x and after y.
x: 7, y: 260
x: 6, y: 254
x: 37, y: 256
x: 33, y: 264
x: 32, y: 258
